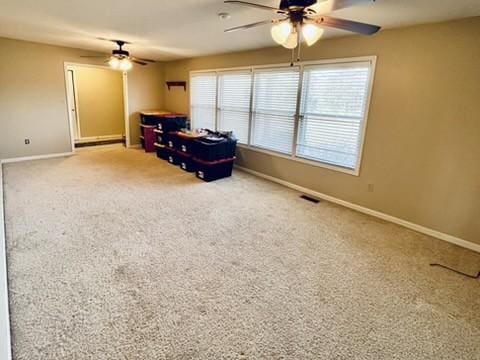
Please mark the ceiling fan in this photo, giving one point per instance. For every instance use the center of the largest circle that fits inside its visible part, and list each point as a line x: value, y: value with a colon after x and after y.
x: 120, y: 59
x: 301, y: 21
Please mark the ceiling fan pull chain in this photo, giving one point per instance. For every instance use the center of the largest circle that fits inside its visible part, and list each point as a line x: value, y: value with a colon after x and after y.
x: 299, y: 34
x: 292, y: 61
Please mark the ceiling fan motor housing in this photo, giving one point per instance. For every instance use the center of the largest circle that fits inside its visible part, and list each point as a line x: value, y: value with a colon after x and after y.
x: 120, y: 53
x: 287, y: 4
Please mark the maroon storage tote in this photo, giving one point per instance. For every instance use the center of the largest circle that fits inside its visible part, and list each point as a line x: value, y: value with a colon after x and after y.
x: 213, y: 170
x: 148, y: 137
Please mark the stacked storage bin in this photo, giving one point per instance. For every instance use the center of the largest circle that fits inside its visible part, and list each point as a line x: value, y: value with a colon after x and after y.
x: 209, y: 154
x: 213, y: 156
x: 166, y: 137
x: 149, y: 120
x: 185, y: 146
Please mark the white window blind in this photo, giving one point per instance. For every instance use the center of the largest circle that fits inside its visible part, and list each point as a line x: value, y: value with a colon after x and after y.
x: 334, y: 99
x: 274, y: 108
x: 203, y: 92
x: 234, y: 90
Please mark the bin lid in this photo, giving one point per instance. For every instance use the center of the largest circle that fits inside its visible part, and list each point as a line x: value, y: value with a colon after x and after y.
x: 192, y: 134
x: 155, y: 112
x: 214, y: 138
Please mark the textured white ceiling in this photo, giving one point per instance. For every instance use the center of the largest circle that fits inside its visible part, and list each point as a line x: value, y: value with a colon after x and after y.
x: 166, y: 29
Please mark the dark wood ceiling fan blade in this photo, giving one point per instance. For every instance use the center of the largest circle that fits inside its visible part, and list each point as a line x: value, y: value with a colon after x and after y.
x: 249, y: 26
x: 143, y: 60
x: 114, y: 40
x: 349, y: 25
x: 258, y: 6
x: 139, y: 62
x: 332, y: 5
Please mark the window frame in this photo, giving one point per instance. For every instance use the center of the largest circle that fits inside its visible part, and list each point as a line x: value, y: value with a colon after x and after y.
x: 362, y: 133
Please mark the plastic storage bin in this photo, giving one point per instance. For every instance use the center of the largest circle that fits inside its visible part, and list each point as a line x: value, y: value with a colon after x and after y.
x: 152, y: 117
x: 171, y: 140
x: 172, y: 156
x: 148, y: 138
x: 167, y: 139
x: 214, y: 148
x: 213, y: 170
x: 161, y: 138
x: 186, y: 162
x: 186, y: 141
x: 173, y: 122
x: 162, y: 153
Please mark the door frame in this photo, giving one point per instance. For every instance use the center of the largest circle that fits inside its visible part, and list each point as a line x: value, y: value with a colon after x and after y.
x: 75, y: 122
x: 71, y: 66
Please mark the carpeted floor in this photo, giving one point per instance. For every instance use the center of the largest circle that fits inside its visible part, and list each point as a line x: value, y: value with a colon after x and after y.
x: 114, y: 254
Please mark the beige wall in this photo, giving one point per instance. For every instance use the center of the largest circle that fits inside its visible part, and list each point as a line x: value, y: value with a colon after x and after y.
x: 145, y: 86
x: 100, y: 101
x: 33, y: 100
x: 422, y: 146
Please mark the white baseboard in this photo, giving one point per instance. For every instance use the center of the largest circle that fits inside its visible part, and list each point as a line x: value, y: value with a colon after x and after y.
x: 35, y: 157
x: 5, y: 342
x: 380, y: 215
x: 99, y: 138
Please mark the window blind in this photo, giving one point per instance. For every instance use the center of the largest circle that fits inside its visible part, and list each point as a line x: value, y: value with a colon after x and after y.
x: 274, y: 108
x: 234, y: 90
x: 203, y: 92
x: 334, y: 99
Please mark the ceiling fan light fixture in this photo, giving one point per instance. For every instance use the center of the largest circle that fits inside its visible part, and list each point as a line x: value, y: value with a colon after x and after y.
x: 281, y: 32
x: 125, y: 64
x: 114, y: 62
x: 311, y: 33
x: 292, y: 40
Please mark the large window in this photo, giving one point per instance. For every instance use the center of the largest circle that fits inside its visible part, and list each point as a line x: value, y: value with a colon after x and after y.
x: 313, y: 112
x: 334, y: 98
x: 274, y: 108
x: 233, y: 112
x: 203, y: 90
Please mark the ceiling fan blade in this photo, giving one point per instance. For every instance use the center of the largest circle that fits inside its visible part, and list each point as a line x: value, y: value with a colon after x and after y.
x: 139, y: 62
x: 93, y: 56
x: 114, y: 40
x: 249, y: 26
x: 259, y: 6
x: 328, y: 6
x: 349, y: 25
x: 143, y: 60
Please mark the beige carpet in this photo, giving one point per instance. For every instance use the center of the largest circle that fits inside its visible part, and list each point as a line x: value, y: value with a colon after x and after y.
x: 114, y: 254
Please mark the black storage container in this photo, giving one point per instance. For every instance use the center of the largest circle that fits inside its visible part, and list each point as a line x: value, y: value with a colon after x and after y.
x: 149, y: 119
x: 186, y: 162
x: 172, y: 156
x: 168, y: 139
x: 172, y: 123
x: 162, y: 152
x: 162, y: 138
x: 172, y: 140
x: 185, y: 144
x: 214, y: 148
x: 213, y: 170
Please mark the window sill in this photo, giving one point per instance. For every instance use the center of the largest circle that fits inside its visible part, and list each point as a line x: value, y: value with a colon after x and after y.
x: 355, y: 172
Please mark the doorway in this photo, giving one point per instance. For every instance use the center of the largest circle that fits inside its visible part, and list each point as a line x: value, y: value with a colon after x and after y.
x: 97, y: 105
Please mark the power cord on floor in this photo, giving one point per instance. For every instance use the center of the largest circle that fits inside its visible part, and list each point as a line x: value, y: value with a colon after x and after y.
x: 458, y: 272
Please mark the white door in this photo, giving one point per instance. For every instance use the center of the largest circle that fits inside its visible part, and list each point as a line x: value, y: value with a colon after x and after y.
x: 72, y: 104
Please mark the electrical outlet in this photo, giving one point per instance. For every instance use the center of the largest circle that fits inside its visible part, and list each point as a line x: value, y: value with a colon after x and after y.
x: 370, y: 187
x: 27, y: 141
